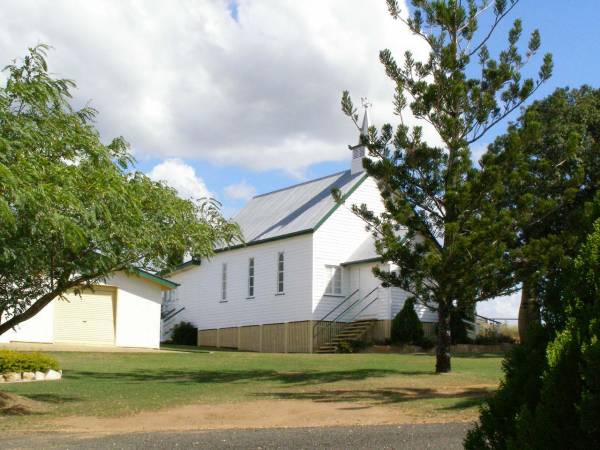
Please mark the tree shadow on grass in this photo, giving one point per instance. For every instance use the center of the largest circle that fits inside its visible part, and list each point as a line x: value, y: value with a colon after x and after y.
x: 468, y: 403
x: 240, y: 376
x: 30, y: 404
x: 52, y: 398
x: 384, y: 396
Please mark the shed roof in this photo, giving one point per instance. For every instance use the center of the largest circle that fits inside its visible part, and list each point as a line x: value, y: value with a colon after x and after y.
x: 295, y: 209
x: 155, y: 278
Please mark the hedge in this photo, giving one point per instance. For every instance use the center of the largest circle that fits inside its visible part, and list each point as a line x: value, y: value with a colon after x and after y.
x: 11, y: 361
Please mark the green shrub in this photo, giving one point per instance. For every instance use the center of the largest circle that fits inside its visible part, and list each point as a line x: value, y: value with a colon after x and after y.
x: 345, y: 347
x: 352, y: 346
x: 406, y: 326
x: 492, y: 337
x: 11, y: 361
x: 550, y: 398
x: 184, y: 333
x: 459, y: 330
x: 426, y: 343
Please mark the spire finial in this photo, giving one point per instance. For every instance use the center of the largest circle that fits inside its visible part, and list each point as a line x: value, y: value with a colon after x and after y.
x: 364, y: 129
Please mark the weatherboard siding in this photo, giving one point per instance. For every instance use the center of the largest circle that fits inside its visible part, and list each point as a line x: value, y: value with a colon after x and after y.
x: 334, y: 243
x: 200, y: 286
x: 399, y: 296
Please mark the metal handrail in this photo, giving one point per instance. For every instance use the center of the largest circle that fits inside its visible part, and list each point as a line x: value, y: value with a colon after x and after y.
x: 365, y: 307
x: 359, y: 300
x: 172, y: 314
x: 329, y: 330
x: 487, y: 319
x: 336, y: 307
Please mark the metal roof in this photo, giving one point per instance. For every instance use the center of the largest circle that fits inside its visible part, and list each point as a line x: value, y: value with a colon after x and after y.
x: 295, y: 209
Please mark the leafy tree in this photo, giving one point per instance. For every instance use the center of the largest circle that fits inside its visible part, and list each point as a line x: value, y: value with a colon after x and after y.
x: 545, y: 173
x: 72, y: 209
x: 444, y: 259
x: 550, y: 398
x: 406, y: 326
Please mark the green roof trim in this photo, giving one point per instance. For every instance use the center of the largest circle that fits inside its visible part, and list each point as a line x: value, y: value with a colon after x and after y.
x: 150, y: 276
x: 342, y: 200
x: 262, y: 241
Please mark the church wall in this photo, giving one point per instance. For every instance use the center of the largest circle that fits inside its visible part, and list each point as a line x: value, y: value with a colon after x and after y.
x: 335, y: 242
x: 200, y: 286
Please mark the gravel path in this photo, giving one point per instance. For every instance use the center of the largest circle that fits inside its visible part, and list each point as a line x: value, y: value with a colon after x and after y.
x: 447, y: 436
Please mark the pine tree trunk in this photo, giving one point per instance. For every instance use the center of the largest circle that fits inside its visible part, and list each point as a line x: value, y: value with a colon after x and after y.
x: 442, y: 354
x: 529, y: 311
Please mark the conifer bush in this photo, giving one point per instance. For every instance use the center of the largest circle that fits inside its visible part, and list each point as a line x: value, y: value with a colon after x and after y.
x: 406, y: 326
x: 184, y: 333
x: 550, y: 398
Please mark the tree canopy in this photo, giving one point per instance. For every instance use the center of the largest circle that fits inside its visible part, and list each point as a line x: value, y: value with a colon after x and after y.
x: 434, y: 226
x: 544, y: 173
x: 74, y: 209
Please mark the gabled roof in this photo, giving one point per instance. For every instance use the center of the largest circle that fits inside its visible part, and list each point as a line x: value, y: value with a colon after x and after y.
x: 296, y: 209
x: 290, y: 211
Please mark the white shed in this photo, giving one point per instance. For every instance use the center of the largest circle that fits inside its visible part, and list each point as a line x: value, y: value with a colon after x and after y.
x: 124, y: 311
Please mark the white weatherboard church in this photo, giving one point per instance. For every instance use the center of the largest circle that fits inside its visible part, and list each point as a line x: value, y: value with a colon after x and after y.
x: 303, y: 280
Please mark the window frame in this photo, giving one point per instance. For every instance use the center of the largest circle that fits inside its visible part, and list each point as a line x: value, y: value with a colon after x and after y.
x: 251, y: 277
x: 223, y: 283
x: 280, y: 280
x: 332, y: 270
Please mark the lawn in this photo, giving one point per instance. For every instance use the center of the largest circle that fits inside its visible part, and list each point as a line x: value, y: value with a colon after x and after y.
x: 116, y: 384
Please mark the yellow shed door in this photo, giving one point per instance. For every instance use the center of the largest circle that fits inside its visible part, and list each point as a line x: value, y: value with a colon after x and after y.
x: 87, y: 319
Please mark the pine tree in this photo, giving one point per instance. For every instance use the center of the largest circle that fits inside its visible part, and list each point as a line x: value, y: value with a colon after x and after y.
x: 427, y: 190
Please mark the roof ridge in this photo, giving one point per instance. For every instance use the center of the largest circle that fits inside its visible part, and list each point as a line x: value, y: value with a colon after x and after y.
x: 301, y: 184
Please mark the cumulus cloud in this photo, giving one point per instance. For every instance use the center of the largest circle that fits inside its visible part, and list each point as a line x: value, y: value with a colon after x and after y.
x: 182, y: 177
x: 185, y: 79
x: 240, y: 191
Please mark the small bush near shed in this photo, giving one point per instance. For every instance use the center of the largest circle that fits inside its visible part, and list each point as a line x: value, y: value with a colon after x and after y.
x: 184, y: 333
x: 11, y: 361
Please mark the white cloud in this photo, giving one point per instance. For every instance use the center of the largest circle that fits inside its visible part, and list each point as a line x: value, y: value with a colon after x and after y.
x: 506, y: 307
x: 240, y: 191
x: 181, y: 177
x: 183, y: 79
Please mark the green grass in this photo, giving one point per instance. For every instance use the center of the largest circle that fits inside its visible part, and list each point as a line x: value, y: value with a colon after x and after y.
x: 111, y: 384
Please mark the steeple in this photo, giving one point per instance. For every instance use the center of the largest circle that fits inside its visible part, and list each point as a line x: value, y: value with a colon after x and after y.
x: 359, y: 150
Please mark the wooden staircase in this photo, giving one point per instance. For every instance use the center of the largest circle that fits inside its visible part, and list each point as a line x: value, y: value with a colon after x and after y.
x: 353, y: 331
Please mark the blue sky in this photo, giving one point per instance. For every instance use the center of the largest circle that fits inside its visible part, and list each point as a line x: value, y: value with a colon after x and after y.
x: 569, y: 31
x: 235, y: 97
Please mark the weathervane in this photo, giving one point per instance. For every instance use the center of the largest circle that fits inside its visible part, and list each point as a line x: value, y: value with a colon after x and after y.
x: 365, y: 102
